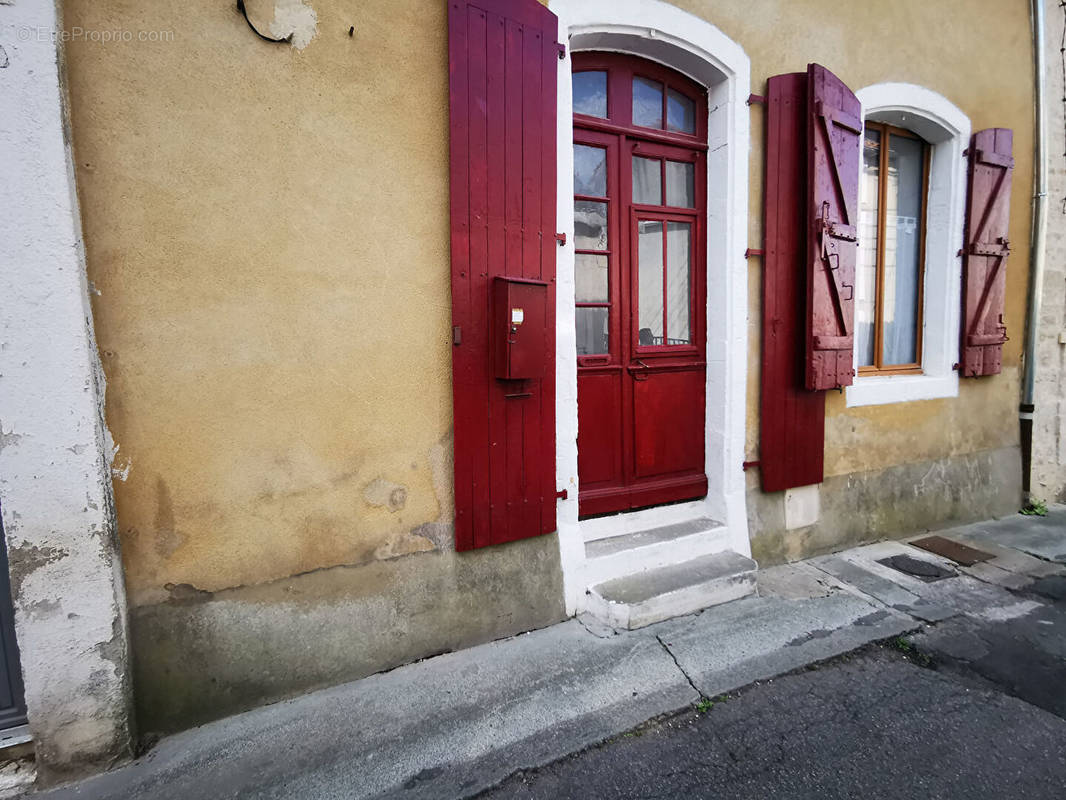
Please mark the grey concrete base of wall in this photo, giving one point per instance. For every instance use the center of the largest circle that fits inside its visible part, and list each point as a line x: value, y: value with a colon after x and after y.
x: 895, y: 502
x: 209, y: 656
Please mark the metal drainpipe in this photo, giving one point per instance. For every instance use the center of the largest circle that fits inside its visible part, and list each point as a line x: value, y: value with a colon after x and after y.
x: 1036, y: 249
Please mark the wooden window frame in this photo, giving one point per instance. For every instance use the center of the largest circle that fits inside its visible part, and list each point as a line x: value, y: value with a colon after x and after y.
x: 887, y: 131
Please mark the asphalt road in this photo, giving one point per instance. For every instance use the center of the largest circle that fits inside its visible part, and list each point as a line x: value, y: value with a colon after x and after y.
x: 983, y: 719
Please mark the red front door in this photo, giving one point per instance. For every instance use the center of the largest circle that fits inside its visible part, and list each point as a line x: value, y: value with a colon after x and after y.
x: 640, y: 238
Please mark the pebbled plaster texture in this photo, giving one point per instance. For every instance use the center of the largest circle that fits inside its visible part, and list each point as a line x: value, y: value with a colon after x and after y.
x: 55, y: 452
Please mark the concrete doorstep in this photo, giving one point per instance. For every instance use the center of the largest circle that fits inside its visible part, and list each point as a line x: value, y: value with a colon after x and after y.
x: 454, y: 725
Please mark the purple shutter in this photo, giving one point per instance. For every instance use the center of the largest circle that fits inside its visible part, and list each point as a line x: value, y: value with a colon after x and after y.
x: 834, y: 147
x: 984, y: 272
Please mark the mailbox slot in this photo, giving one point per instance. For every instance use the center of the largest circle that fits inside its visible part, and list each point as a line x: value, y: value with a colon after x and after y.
x: 519, y: 333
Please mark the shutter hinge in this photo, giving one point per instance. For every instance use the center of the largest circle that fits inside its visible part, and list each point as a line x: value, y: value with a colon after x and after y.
x: 756, y: 99
x: 562, y: 50
x: 457, y: 334
x: 562, y: 495
x: 561, y: 239
x: 751, y: 251
x: 748, y: 464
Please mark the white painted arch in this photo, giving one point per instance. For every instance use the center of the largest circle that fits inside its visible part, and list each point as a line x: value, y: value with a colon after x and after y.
x: 664, y: 33
x: 941, y: 123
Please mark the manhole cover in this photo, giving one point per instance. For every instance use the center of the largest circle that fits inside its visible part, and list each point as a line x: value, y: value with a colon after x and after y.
x: 959, y: 553
x: 918, y: 567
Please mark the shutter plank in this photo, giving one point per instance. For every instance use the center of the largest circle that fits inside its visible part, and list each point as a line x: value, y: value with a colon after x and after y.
x: 792, y: 419
x: 984, y: 273
x: 834, y: 149
x: 502, y: 75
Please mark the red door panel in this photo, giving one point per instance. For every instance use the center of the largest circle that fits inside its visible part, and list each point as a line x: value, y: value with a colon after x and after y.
x: 667, y: 411
x: 599, y: 421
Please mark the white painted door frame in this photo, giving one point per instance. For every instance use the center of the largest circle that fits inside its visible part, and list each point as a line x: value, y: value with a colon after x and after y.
x: 661, y: 32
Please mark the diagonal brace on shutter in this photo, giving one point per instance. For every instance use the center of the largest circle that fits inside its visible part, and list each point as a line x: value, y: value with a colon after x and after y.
x: 831, y: 117
x: 973, y: 338
x: 827, y: 232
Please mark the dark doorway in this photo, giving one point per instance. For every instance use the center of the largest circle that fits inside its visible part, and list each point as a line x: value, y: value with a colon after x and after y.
x: 12, y: 697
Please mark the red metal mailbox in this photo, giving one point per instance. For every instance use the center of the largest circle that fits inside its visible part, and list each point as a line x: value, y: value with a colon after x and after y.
x: 519, y: 330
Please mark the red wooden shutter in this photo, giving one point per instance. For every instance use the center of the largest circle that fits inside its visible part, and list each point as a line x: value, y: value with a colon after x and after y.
x: 502, y: 59
x: 984, y: 272
x: 834, y: 146
x: 792, y: 426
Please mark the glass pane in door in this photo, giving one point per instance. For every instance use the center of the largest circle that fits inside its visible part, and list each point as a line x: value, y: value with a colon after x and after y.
x: 650, y: 282
x: 678, y: 282
x: 590, y: 93
x: 592, y: 332
x: 590, y: 278
x: 680, y: 184
x: 647, y: 181
x: 590, y: 225
x: 590, y: 170
x: 647, y: 103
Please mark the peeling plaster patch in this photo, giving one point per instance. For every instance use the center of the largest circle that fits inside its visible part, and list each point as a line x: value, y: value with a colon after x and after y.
x: 403, y: 545
x: 442, y: 534
x: 17, y: 776
x: 26, y: 559
x: 383, y: 493
x: 186, y: 593
x: 9, y: 438
x: 294, y: 18
x: 122, y: 472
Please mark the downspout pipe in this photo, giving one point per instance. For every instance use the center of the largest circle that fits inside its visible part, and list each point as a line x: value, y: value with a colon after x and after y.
x: 1037, y: 248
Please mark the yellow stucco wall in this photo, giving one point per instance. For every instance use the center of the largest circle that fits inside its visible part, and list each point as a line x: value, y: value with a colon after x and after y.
x: 267, y: 230
x: 268, y: 233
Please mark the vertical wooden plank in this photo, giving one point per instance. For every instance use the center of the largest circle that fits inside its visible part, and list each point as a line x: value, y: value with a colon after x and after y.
x: 985, y: 255
x: 498, y: 154
x: 477, y: 394
x: 534, y: 156
x: 792, y: 419
x: 546, y: 469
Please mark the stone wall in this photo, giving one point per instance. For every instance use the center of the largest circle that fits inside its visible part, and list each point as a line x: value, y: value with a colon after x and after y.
x: 1048, y: 473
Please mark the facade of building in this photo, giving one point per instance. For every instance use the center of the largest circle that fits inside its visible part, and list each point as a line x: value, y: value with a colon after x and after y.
x: 424, y: 323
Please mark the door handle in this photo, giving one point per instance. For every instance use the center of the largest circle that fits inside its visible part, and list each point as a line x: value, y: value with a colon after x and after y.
x: 639, y: 374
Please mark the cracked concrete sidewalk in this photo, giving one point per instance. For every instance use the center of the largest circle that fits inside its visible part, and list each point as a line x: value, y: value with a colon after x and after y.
x: 456, y: 724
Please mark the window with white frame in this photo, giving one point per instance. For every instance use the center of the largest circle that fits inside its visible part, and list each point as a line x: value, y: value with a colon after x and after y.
x: 912, y: 204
